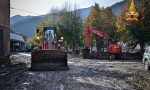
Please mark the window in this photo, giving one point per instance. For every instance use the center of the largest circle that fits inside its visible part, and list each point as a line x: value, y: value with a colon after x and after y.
x: 49, y: 35
x: 1, y: 40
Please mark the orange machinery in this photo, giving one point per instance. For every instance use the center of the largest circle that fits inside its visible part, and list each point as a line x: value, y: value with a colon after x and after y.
x: 112, y: 49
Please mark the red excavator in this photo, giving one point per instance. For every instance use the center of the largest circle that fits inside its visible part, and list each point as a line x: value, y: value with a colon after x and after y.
x: 48, y: 55
x: 112, y: 50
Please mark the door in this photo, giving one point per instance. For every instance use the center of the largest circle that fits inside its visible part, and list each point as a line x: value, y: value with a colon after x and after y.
x: 1, y: 41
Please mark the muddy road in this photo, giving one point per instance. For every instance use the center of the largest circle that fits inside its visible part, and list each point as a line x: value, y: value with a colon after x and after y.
x: 84, y: 74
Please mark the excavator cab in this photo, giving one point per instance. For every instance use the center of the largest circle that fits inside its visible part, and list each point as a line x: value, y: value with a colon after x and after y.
x: 49, y: 56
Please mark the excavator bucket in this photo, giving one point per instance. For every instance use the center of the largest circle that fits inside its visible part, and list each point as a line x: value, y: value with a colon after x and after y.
x: 49, y: 60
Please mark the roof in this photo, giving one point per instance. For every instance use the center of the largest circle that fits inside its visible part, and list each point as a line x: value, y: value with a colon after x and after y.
x: 16, y: 37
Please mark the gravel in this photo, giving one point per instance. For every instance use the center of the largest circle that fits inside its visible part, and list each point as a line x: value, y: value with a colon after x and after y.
x: 84, y: 74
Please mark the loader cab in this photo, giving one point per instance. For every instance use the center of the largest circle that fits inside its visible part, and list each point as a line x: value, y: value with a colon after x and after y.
x: 49, y: 33
x: 49, y: 38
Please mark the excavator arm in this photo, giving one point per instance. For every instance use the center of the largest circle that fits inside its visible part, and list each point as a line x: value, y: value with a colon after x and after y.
x: 95, y: 31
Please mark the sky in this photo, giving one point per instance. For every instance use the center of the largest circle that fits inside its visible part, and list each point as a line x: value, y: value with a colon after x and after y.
x: 41, y: 7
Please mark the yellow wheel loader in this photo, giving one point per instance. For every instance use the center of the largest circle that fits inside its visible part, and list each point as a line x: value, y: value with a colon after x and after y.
x: 48, y: 55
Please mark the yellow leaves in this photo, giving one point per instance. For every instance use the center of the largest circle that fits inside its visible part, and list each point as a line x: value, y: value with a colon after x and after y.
x: 122, y: 32
x: 119, y: 24
x: 37, y: 36
x: 92, y: 18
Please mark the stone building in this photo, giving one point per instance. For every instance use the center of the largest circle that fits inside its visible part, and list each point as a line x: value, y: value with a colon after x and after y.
x: 4, y: 31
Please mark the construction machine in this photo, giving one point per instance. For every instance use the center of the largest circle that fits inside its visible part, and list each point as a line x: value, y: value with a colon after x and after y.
x: 112, y: 50
x: 48, y: 55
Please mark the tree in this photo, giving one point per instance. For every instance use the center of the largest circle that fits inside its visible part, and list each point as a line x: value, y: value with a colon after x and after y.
x: 46, y: 21
x: 93, y: 17
x: 104, y: 20
x: 92, y: 20
x: 70, y: 27
x: 141, y: 31
x: 146, y: 22
x: 137, y: 33
x: 107, y: 22
x: 123, y: 34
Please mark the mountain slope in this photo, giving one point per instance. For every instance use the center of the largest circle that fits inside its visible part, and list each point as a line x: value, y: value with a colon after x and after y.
x: 26, y: 26
x: 18, y: 18
x: 116, y: 8
x: 84, y: 12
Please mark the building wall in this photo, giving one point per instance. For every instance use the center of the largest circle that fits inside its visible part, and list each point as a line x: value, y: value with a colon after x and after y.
x: 5, y: 26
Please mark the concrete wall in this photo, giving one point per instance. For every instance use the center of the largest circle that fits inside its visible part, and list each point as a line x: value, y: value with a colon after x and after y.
x: 5, y: 26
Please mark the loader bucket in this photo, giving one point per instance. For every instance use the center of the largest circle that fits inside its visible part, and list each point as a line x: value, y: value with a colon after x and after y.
x: 49, y: 60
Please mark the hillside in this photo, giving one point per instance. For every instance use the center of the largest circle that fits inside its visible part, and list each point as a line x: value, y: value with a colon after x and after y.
x: 116, y: 8
x: 25, y: 25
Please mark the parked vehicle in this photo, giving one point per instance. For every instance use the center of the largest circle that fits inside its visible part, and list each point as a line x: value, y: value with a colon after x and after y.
x: 146, y: 58
x: 28, y: 48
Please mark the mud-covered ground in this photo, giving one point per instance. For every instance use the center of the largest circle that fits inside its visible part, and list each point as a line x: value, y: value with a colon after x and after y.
x: 84, y: 74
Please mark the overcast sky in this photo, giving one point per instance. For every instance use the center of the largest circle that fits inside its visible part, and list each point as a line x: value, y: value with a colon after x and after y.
x: 41, y: 7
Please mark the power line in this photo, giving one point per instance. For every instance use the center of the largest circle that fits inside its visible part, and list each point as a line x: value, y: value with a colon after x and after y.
x: 24, y: 10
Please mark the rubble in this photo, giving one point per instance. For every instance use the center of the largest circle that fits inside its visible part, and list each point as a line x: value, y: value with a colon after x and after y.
x: 84, y: 74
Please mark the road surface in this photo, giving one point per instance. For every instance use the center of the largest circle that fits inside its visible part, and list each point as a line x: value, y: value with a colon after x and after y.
x: 84, y: 74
